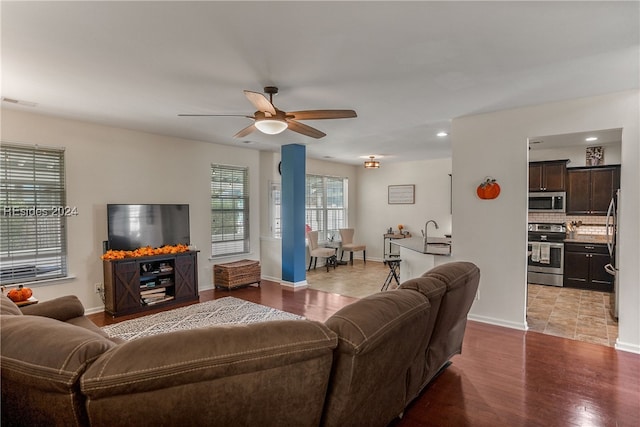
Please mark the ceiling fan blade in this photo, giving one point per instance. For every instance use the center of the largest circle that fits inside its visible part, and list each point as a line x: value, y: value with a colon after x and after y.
x: 305, y: 130
x: 260, y: 102
x: 215, y: 115
x: 244, y: 132
x: 322, y: 114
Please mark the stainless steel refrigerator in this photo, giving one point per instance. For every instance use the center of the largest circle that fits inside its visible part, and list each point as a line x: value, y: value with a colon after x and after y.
x: 613, y: 231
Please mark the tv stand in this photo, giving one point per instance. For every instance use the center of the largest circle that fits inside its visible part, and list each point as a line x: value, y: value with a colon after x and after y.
x: 133, y: 285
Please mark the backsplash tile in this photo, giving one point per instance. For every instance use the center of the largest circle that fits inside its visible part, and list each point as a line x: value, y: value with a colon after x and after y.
x: 590, y: 224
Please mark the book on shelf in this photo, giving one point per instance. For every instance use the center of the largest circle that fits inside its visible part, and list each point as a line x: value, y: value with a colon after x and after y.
x: 157, y: 301
x: 165, y: 268
x: 148, y: 285
x: 160, y: 291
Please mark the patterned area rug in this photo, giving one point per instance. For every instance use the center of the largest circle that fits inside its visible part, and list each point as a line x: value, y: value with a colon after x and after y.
x: 223, y: 311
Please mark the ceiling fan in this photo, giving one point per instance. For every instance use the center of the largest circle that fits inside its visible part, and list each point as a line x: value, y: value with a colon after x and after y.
x: 270, y: 120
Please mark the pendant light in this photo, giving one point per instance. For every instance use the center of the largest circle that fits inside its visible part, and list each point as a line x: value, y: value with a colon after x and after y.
x: 371, y: 163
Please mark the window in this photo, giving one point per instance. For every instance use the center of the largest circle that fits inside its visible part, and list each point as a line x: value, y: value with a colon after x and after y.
x: 275, y: 212
x: 33, y: 241
x: 326, y: 205
x: 229, y: 210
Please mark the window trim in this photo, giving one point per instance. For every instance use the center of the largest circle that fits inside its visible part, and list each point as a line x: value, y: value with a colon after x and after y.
x: 243, y: 197
x: 327, y: 233
x: 41, y: 192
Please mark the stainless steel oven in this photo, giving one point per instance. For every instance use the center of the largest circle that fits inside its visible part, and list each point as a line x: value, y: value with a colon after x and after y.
x: 545, y: 263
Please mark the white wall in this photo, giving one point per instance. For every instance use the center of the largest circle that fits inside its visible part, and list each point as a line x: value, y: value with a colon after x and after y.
x: 110, y: 165
x: 432, y: 201
x: 493, y: 233
x: 576, y: 155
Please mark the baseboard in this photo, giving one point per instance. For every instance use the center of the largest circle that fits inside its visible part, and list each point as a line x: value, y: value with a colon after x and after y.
x: 631, y: 348
x: 295, y: 286
x: 94, y: 310
x: 498, y: 322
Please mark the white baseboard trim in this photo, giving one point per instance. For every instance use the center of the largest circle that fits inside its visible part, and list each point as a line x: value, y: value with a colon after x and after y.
x: 498, y: 322
x: 295, y: 286
x: 94, y: 310
x: 631, y: 348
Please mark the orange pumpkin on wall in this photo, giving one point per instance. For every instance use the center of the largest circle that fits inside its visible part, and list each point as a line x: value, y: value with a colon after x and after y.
x: 489, y: 189
x: 19, y: 294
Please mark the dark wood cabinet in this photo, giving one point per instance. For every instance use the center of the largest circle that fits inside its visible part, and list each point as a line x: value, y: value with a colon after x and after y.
x: 584, y: 267
x: 590, y: 189
x: 132, y: 285
x: 547, y: 176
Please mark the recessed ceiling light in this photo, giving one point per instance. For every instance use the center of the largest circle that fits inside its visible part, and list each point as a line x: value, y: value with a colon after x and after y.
x: 442, y: 134
x: 591, y: 138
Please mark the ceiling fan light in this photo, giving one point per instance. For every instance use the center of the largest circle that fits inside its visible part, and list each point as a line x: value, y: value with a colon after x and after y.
x: 271, y: 126
x: 371, y: 163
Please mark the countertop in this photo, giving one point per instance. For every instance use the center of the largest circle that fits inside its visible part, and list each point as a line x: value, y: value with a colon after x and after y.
x: 437, y: 245
x: 587, y: 238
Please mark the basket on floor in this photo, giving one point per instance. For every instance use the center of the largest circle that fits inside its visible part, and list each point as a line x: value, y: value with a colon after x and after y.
x: 236, y: 274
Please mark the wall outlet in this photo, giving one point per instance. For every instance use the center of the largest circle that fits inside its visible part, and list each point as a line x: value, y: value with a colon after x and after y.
x: 98, y: 288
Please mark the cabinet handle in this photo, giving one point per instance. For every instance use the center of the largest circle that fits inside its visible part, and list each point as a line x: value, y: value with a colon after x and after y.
x: 589, y: 247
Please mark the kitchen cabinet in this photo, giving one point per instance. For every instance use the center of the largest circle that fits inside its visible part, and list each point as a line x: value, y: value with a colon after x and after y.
x: 584, y: 267
x: 547, y: 176
x: 590, y: 189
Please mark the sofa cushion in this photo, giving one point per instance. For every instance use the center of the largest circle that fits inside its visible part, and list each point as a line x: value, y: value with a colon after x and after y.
x: 62, y: 308
x: 433, y: 289
x: 279, y: 370
x: 42, y: 361
x: 8, y: 307
x: 378, y: 342
x: 461, y: 280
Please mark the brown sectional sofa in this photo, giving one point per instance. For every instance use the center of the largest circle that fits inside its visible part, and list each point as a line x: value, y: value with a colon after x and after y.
x: 362, y: 367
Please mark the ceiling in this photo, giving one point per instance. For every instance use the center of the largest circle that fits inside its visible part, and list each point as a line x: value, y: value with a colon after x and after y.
x: 407, y: 68
x: 584, y: 139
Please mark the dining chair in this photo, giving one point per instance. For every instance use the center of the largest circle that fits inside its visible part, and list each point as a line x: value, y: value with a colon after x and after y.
x: 346, y: 235
x: 315, y: 252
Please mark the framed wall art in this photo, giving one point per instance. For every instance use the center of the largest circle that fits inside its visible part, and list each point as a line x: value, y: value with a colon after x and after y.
x: 402, y: 194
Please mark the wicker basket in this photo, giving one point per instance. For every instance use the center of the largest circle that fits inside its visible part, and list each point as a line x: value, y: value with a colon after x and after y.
x: 235, y: 274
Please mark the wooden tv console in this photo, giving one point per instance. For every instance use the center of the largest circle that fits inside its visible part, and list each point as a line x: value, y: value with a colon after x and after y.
x: 132, y: 285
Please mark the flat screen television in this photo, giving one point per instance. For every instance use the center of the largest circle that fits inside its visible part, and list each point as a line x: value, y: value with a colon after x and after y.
x: 134, y: 226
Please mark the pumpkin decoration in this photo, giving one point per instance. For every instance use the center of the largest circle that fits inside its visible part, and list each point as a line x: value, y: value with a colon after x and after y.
x: 19, y: 294
x: 144, y: 251
x: 489, y: 189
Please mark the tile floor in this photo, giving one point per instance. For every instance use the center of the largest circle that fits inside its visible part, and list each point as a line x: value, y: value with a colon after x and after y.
x: 571, y: 313
x: 565, y: 312
x: 357, y: 280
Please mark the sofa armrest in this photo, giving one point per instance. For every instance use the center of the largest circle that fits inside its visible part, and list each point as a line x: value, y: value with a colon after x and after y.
x: 42, y: 360
x: 63, y: 308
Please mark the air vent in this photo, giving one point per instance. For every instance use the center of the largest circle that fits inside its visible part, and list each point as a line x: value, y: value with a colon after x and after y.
x: 18, y: 102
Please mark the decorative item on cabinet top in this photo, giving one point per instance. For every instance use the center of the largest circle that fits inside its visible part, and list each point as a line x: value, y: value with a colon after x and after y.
x: 488, y: 189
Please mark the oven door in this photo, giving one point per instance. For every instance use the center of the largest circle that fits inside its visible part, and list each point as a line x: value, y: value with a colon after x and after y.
x: 556, y: 260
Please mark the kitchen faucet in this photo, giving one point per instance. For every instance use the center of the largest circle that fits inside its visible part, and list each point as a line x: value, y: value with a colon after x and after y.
x: 424, y: 232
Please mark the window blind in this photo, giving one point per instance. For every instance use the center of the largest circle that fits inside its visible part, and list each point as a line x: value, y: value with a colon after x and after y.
x: 326, y: 206
x: 33, y: 212
x: 229, y: 210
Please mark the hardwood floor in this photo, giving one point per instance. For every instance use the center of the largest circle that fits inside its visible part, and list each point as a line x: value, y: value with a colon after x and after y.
x: 504, y: 377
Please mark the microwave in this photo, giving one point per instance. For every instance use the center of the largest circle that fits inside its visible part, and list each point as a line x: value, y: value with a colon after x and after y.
x: 548, y: 202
